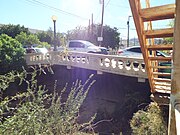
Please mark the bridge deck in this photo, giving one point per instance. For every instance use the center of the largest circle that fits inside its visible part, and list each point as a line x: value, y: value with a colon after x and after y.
x: 102, y: 63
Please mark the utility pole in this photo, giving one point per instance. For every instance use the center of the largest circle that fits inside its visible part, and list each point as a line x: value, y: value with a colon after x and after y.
x: 92, y: 26
x: 89, y: 28
x: 128, y: 31
x: 100, y: 39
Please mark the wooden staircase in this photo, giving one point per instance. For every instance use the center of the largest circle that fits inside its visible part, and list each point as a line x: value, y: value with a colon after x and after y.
x: 144, y: 18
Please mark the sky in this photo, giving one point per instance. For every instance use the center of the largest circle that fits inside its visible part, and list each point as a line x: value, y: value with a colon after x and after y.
x: 36, y: 14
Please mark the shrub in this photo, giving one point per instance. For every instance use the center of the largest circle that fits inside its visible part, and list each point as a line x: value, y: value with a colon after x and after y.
x: 149, y: 122
x: 11, y: 54
x: 38, y: 112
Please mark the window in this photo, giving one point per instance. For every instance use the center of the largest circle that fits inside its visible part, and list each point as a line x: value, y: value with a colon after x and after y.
x: 76, y: 45
x: 137, y: 50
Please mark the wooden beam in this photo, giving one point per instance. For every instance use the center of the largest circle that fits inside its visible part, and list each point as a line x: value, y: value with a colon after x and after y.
x: 162, y: 84
x: 158, y: 13
x: 161, y: 67
x: 163, y: 87
x: 161, y: 74
x: 151, y: 58
x: 160, y: 47
x: 159, y: 33
x: 162, y: 79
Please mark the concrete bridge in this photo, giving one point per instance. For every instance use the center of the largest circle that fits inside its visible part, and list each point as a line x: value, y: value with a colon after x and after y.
x: 133, y: 67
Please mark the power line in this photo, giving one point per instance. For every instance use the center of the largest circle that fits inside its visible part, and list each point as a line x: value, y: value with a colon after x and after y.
x: 56, y: 9
x: 100, y: 11
x: 107, y: 3
x: 117, y: 5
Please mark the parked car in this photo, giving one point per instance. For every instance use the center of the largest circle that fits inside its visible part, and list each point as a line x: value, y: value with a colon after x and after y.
x: 84, y: 46
x: 135, y: 51
x: 36, y: 50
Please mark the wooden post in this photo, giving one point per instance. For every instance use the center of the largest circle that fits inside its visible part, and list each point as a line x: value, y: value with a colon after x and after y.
x: 172, y: 121
x: 174, y: 129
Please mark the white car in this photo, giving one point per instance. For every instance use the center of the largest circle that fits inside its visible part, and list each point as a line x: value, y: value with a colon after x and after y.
x: 135, y: 51
x: 84, y: 46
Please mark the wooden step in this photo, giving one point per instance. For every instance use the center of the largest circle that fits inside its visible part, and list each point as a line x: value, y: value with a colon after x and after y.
x: 161, y: 74
x: 160, y: 47
x: 159, y: 58
x: 162, y: 83
x: 162, y: 91
x: 161, y: 67
x: 162, y: 79
x: 161, y: 98
x: 158, y: 13
x: 162, y: 87
x: 159, y: 33
x: 166, y: 88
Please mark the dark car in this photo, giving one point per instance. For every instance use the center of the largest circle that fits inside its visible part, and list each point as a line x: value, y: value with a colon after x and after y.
x: 36, y: 50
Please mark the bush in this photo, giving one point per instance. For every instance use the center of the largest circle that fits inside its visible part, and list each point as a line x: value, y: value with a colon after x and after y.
x: 11, y: 54
x: 13, y: 30
x: 38, y: 112
x: 149, y: 122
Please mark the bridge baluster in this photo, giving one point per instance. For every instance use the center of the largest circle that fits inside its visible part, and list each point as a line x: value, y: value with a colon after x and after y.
x: 104, y: 63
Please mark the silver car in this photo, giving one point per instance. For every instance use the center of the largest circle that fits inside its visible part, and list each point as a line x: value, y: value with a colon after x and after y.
x: 135, y: 51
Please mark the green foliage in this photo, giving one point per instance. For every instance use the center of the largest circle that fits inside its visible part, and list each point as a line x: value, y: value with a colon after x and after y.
x: 44, y: 45
x: 169, y: 40
x: 31, y: 39
x: 149, y: 122
x: 45, y: 37
x: 49, y: 37
x: 38, y: 112
x: 78, y: 33
x: 27, y: 39
x: 13, y: 30
x: 110, y: 35
x: 11, y: 54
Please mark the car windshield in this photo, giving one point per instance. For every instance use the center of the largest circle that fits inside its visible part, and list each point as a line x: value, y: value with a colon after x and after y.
x: 88, y: 43
x: 41, y: 50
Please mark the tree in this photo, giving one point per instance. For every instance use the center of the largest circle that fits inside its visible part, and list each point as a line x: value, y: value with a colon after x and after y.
x: 13, y: 30
x: 31, y: 39
x: 78, y: 33
x: 45, y: 37
x: 27, y: 39
x: 169, y: 40
x: 110, y: 35
x: 11, y: 54
x: 48, y: 37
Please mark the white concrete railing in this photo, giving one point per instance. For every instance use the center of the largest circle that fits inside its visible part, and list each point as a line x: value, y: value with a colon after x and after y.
x: 101, y: 63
